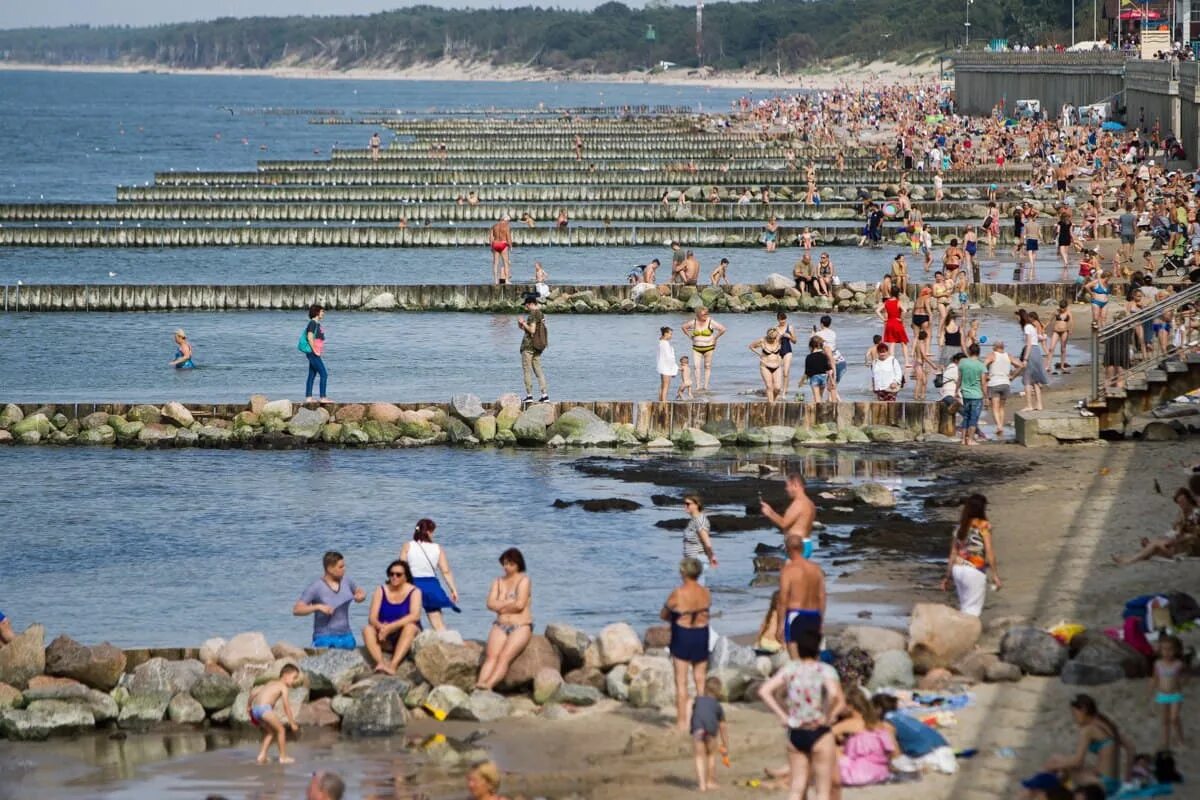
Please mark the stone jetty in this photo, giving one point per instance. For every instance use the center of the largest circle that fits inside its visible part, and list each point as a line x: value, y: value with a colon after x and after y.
x: 777, y: 294
x: 467, y: 422
x: 66, y: 687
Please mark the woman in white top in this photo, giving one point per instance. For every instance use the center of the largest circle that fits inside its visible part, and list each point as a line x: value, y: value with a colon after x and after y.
x: 999, y: 375
x: 1035, y: 371
x: 426, y: 559
x: 887, y: 376
x: 668, y: 368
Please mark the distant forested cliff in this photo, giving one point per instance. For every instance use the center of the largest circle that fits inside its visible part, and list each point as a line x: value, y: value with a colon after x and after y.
x: 767, y: 34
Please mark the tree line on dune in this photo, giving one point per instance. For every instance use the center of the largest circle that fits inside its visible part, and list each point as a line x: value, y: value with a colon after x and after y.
x: 768, y: 35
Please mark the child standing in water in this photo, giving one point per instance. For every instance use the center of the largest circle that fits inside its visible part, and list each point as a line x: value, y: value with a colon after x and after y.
x: 685, y: 380
x: 708, y: 721
x: 261, y: 705
x: 1167, y: 683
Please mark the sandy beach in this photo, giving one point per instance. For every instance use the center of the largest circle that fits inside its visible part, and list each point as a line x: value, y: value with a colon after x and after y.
x: 876, y: 72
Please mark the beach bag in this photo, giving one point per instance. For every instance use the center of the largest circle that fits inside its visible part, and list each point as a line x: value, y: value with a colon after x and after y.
x: 303, y: 345
x: 540, y: 338
x: 939, y: 380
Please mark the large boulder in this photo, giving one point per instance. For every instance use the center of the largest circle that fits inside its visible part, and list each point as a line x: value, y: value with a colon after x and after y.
x: 893, y: 669
x: 466, y: 407
x: 246, y: 648
x: 694, y: 438
x: 333, y: 671
x: 442, y: 700
x: 1033, y: 650
x: 872, y: 639
x: 874, y: 494
x: 1078, y: 673
x: 10, y: 697
x: 145, y: 414
x: 728, y: 654
x: 431, y: 636
x: 42, y: 718
x: 571, y: 643
x: 167, y: 677
x: 277, y: 408
x: 533, y: 424
x: 214, y: 691
x: 617, y: 644
x: 582, y: 427
x: 586, y: 676
x: 1095, y: 649
x: 318, y: 713
x: 454, y: 664
x: 184, y: 710
x: 777, y: 284
x: 380, y: 711
x: 307, y: 422
x: 539, y: 654
x: 23, y: 657
x: 545, y: 684
x: 616, y: 683
x: 651, y: 682
x: 102, y: 706
x: 144, y: 708
x: 574, y: 694
x: 939, y: 635
x: 99, y: 667
x: 178, y: 413
x: 483, y: 706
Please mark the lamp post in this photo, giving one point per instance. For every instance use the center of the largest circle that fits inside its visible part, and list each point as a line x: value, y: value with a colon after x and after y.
x: 967, y: 25
x: 1072, y: 23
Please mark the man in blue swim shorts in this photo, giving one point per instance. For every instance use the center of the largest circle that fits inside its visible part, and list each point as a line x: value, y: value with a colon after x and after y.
x: 6, y: 631
x: 328, y: 600
x: 801, y: 594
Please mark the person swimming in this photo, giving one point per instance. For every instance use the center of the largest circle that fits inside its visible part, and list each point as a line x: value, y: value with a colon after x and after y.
x: 183, y: 352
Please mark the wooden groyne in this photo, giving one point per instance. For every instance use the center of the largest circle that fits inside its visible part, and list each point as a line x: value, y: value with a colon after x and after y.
x: 489, y: 211
x: 564, y: 299
x: 624, y: 235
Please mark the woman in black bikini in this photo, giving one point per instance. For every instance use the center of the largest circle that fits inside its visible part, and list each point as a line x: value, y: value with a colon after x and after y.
x: 770, y: 363
x: 922, y: 311
x: 510, y: 597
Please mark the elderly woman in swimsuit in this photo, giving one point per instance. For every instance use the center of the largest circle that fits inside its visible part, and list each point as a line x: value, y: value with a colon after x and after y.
x: 1099, y: 737
x: 704, y: 331
x: 687, y: 610
x: 395, y: 618
x: 770, y: 363
x: 510, y: 597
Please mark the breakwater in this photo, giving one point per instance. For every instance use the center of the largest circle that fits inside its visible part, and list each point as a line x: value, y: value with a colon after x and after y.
x: 466, y: 421
x: 622, y: 235
x: 775, y: 296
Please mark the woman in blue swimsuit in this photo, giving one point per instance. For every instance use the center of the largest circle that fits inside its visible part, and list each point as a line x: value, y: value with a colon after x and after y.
x: 687, y: 610
x: 183, y: 352
x: 1100, y: 296
x: 395, y: 618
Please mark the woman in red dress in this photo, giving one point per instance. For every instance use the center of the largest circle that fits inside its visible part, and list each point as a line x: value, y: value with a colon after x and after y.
x: 890, y: 313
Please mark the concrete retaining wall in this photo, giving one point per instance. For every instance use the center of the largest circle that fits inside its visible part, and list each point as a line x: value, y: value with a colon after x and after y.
x: 982, y: 80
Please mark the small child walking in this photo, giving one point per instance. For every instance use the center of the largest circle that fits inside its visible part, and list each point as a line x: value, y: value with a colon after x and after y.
x: 667, y: 368
x: 685, y: 380
x: 708, y: 721
x: 1167, y: 684
x: 261, y: 705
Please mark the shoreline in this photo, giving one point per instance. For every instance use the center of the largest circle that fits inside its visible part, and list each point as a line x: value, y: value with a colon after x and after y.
x: 453, y: 71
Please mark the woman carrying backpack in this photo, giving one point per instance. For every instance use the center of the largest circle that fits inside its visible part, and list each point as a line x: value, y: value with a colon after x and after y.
x: 312, y: 344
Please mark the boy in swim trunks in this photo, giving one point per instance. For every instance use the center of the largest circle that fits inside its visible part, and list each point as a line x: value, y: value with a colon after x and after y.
x: 261, y: 708
x: 708, y: 722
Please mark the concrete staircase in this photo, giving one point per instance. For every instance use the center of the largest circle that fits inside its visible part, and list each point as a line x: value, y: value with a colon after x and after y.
x: 1118, y: 409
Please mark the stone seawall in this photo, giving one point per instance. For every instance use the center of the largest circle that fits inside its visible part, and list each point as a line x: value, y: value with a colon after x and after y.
x: 776, y: 295
x: 466, y: 421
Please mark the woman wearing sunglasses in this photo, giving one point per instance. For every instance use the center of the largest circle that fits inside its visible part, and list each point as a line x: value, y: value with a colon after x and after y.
x: 395, y: 618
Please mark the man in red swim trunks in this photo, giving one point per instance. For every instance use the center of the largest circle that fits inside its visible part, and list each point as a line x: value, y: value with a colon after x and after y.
x: 500, y: 237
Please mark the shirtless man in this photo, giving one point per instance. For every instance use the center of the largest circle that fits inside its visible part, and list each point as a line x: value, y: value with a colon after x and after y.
x: 677, y: 259
x: 690, y: 272
x: 374, y: 145
x: 799, y: 516
x: 801, y: 592
x: 500, y: 237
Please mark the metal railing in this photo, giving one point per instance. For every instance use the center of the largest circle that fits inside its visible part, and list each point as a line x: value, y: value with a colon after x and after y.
x: 1114, y: 335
